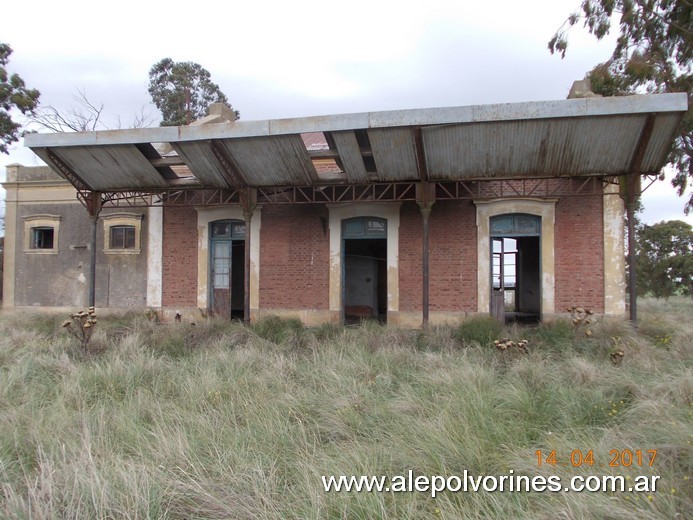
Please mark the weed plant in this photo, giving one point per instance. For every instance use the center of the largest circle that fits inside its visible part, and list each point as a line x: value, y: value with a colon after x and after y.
x: 221, y: 420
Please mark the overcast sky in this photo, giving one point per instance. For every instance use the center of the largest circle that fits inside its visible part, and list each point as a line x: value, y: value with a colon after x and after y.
x: 276, y: 59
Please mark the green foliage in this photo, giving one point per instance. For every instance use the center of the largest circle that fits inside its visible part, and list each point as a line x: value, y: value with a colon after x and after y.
x: 327, y: 331
x: 278, y: 330
x: 654, y: 53
x: 664, y: 259
x: 183, y: 91
x: 479, y: 329
x: 556, y: 334
x: 13, y: 95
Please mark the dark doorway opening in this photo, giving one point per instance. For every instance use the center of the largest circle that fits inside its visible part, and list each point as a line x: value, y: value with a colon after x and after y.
x: 227, y: 268
x: 364, y: 260
x: 516, y: 268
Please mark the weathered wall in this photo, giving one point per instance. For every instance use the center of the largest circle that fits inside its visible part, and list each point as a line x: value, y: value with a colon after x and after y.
x: 579, y: 253
x: 452, y: 257
x: 179, y: 276
x: 121, y: 279
x: 61, y: 279
x: 53, y: 279
x: 294, y: 258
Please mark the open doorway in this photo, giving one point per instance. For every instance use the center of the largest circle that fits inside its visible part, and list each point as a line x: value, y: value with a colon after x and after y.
x: 227, y: 267
x: 364, y: 287
x: 516, y: 268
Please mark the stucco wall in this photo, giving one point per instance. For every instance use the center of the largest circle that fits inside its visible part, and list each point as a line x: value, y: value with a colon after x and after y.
x: 60, y: 278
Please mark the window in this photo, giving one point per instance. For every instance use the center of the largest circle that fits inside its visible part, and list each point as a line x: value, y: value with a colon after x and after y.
x: 42, y: 238
x: 364, y: 227
x: 121, y: 233
x: 41, y: 233
x: 515, y: 225
x: 232, y: 229
x: 122, y: 237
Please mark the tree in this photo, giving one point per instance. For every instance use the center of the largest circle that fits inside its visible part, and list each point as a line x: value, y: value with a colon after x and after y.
x: 183, y: 91
x: 665, y: 259
x: 13, y: 95
x: 654, y: 53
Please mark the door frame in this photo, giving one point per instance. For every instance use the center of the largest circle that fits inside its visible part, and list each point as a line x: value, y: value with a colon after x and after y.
x: 363, y: 234
x: 338, y: 212
x: 514, y: 232
x: 544, y: 208
x: 231, y: 236
x: 205, y: 215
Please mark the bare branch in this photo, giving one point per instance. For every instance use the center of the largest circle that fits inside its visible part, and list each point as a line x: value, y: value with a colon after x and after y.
x: 84, y: 116
x: 143, y: 118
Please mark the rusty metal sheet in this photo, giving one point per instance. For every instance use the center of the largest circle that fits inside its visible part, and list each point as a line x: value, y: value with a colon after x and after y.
x: 589, y: 107
x: 660, y: 143
x: 350, y: 154
x: 394, y: 151
x: 272, y: 160
x: 111, y: 167
x: 534, y: 148
x: 202, y: 164
x: 594, y: 136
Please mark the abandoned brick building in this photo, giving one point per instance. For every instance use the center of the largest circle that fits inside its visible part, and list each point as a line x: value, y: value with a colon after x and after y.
x: 404, y: 216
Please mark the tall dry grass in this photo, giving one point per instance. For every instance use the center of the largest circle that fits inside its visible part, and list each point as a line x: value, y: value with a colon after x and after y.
x: 225, y: 421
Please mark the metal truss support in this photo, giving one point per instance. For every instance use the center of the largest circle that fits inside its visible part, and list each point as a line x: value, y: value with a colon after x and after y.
x: 375, y: 192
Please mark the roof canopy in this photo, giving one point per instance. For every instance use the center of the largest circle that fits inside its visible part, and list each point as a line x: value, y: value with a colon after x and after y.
x: 567, y: 138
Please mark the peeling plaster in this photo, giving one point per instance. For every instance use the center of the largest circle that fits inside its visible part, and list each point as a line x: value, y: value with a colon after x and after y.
x: 205, y: 215
x: 544, y: 208
x: 385, y: 210
x: 614, y: 253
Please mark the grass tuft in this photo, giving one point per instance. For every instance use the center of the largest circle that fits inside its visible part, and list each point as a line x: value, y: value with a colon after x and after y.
x: 279, y: 330
x: 480, y: 330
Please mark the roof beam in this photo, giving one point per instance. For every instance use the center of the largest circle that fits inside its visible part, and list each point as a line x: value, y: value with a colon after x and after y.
x: 350, y: 156
x: 233, y: 174
x: 334, y: 154
x: 420, y: 155
x: 66, y: 170
x: 151, y: 154
x: 641, y: 147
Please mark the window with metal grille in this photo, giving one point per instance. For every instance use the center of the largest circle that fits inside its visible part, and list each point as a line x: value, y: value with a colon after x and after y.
x: 42, y: 237
x: 122, y: 237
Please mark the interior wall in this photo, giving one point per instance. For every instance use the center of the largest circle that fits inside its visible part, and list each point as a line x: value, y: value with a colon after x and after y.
x: 389, y: 211
x: 529, y: 274
x: 364, y: 268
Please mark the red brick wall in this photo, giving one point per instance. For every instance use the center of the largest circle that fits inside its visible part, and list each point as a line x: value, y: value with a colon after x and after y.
x: 452, y: 257
x: 579, y: 253
x: 180, y: 257
x: 294, y: 257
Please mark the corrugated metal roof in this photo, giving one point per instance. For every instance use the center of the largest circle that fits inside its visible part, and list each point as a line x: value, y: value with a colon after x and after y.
x: 105, y: 168
x: 526, y: 149
x: 575, y: 137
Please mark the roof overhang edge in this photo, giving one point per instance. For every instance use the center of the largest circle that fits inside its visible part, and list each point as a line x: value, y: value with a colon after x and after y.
x: 567, y: 108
